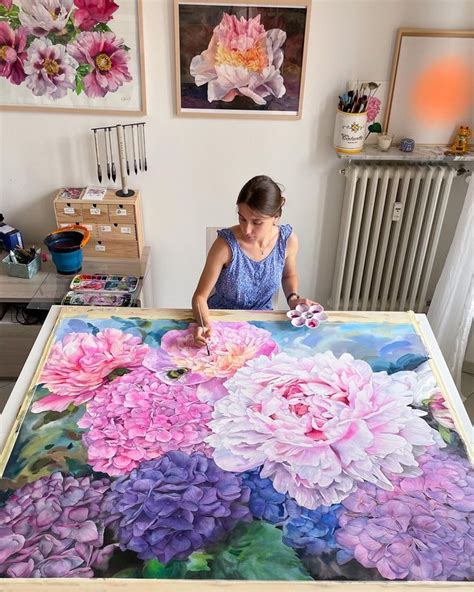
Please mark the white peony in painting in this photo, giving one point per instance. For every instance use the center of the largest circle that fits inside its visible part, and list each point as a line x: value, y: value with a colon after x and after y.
x: 238, y: 59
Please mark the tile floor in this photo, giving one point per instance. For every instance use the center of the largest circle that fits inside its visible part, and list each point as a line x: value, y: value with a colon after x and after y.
x: 467, y: 393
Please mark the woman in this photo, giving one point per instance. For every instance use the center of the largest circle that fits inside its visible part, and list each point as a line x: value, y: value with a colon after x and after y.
x: 247, y: 262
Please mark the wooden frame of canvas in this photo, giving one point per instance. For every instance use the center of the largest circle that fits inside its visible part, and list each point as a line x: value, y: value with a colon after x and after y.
x: 250, y: 114
x: 103, y: 111
x: 414, y: 32
x: 19, y: 403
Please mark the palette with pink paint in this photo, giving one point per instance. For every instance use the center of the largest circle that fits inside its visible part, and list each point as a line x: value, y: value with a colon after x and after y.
x: 305, y: 315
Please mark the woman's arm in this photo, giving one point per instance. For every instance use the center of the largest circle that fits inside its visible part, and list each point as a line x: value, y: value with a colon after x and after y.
x: 289, y: 279
x: 218, y: 256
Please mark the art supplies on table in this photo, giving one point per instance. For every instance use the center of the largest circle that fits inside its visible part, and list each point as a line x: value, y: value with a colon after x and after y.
x: 94, y: 193
x: 23, y: 263
x: 304, y: 315
x: 9, y: 237
x: 70, y: 193
x: 74, y: 298
x: 105, y: 283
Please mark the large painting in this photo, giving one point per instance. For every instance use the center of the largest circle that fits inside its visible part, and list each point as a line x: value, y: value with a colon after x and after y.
x: 74, y: 55
x: 285, y: 454
x: 432, y: 87
x: 241, y: 58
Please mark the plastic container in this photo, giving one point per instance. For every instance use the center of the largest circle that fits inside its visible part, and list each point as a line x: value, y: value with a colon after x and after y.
x: 21, y: 270
x: 65, y: 245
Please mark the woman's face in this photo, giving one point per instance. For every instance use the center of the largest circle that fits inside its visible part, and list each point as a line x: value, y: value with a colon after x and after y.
x: 253, y: 224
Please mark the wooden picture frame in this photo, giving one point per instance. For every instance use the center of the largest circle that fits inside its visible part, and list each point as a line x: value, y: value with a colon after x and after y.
x: 425, y: 62
x: 48, y: 442
x: 84, y: 60
x: 215, y: 79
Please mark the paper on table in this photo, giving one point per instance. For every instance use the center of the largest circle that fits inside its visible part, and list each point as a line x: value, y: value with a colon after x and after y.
x: 94, y: 193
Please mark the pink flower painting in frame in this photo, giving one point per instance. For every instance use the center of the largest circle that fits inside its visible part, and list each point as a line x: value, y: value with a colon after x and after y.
x: 72, y: 55
x: 241, y: 59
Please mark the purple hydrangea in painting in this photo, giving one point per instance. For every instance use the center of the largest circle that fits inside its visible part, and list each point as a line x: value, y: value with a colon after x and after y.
x: 311, y: 530
x: 54, y: 527
x: 422, y: 530
x: 176, y: 505
x: 265, y: 502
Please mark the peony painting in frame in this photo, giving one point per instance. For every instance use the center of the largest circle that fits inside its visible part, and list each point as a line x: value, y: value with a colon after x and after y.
x: 241, y: 59
x: 72, y: 55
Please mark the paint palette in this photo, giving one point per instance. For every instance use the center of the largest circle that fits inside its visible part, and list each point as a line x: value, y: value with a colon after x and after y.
x: 305, y: 315
x: 73, y: 298
x: 104, y: 283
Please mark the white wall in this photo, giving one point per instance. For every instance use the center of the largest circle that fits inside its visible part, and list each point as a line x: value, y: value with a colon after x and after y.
x: 197, y: 166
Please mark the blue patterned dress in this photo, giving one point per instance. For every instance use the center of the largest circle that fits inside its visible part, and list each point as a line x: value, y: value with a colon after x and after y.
x: 246, y: 284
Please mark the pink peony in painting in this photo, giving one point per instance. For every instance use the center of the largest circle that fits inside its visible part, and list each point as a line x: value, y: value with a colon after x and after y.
x: 286, y: 454
x: 242, y: 58
x: 70, y: 54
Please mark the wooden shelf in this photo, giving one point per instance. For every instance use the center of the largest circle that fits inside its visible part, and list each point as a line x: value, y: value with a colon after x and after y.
x: 420, y: 154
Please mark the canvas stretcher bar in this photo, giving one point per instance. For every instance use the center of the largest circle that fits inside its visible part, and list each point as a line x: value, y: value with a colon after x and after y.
x: 56, y: 441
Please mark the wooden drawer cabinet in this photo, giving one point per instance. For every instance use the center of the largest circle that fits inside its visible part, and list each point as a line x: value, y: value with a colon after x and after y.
x: 95, y: 213
x: 68, y: 213
x: 111, y: 248
x: 115, y: 231
x: 122, y: 214
x: 115, y: 223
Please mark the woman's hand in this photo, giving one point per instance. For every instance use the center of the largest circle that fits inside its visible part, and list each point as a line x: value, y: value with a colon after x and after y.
x: 202, y: 335
x: 297, y: 299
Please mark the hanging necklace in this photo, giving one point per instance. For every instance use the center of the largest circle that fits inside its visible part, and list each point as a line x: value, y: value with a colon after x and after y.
x: 264, y: 248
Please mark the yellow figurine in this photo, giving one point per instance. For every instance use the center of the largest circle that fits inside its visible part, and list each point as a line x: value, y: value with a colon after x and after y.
x: 461, y: 143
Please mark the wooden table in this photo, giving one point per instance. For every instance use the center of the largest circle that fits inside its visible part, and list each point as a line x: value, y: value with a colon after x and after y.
x: 47, y: 288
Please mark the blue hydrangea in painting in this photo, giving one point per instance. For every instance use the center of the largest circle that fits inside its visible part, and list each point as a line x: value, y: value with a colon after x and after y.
x: 323, y: 454
x: 265, y: 502
x: 311, y: 530
x: 172, y: 507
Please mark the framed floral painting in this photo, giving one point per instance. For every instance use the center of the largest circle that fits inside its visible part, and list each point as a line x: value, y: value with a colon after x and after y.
x: 72, y: 55
x: 244, y: 58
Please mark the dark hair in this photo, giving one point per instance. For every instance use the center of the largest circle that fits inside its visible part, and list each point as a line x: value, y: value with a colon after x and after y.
x: 263, y: 195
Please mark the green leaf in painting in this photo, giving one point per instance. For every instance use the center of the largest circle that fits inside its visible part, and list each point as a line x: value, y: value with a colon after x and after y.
x: 129, y: 572
x: 117, y: 372
x: 445, y: 433
x: 257, y: 552
x: 48, y: 442
x: 198, y: 561
x: 82, y: 71
x: 173, y: 570
x: 79, y: 85
x: 101, y: 27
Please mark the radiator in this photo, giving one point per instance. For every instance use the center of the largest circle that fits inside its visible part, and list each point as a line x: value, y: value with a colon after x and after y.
x: 390, y: 228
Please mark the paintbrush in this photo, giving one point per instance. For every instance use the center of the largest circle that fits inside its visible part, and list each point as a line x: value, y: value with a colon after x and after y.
x: 97, y: 157
x: 202, y: 325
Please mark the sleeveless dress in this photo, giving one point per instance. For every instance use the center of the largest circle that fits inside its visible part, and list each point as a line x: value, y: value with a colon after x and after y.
x: 246, y: 284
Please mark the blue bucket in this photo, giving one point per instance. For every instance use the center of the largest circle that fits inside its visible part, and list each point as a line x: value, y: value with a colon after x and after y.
x: 65, y: 246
